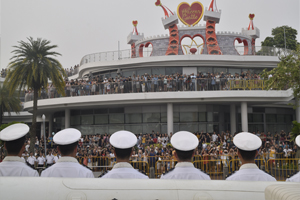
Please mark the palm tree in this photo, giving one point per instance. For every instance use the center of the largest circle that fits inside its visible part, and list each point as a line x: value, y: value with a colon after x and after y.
x: 32, y: 65
x: 8, y: 103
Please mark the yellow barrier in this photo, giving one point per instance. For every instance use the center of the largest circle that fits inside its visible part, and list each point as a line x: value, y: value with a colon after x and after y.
x: 246, y: 84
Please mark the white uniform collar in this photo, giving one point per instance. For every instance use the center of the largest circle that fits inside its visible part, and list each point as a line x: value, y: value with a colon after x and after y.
x: 249, y: 166
x: 184, y: 164
x: 67, y: 159
x: 13, y: 159
x: 122, y: 165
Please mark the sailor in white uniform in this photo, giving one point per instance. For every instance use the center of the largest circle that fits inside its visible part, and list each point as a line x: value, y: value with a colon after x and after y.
x: 185, y: 144
x: 123, y: 141
x: 13, y: 164
x: 296, y: 177
x: 67, y: 165
x: 247, y: 144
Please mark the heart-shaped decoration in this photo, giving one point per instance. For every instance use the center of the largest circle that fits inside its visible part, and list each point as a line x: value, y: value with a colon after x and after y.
x: 241, y: 49
x: 157, y: 3
x: 192, y: 44
x: 190, y: 14
x: 251, y: 16
x: 135, y: 23
x: 145, y: 50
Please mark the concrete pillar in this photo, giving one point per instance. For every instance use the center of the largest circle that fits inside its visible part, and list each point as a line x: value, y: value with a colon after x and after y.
x: 50, y: 119
x: 232, y: 118
x: 67, y: 118
x: 298, y: 111
x: 244, y: 116
x: 170, y: 118
x: 42, y: 129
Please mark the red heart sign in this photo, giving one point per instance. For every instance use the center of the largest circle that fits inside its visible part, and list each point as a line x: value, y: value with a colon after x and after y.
x: 190, y: 15
x: 157, y: 3
x: 251, y: 16
x: 135, y: 23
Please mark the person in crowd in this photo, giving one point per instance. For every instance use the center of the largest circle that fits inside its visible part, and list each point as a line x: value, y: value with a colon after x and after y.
x: 31, y: 160
x: 185, y: 144
x: 67, y: 165
x: 296, y: 177
x: 14, y: 139
x: 123, y: 141
x: 247, y: 145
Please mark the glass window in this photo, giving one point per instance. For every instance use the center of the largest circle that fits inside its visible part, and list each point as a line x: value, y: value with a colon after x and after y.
x: 189, y: 127
x: 75, y: 120
x: 136, y: 129
x: 227, y: 117
x: 232, y: 71
x: 114, y: 128
x: 259, y: 118
x: 148, y: 128
x: 210, y: 128
x: 209, y: 116
x: 87, y: 119
x: 101, y: 129
x: 280, y: 118
x: 101, y: 119
x: 288, y: 118
x: 205, y: 70
x: 101, y: 111
x: 220, y: 70
x: 87, y: 130
x: 158, y: 70
x: 114, y: 74
x: 133, y: 118
x: 189, y: 117
x: 202, y: 127
x: 116, y: 110
x: 116, y: 118
x: 164, y: 129
x: 151, y: 117
x: 202, y: 117
x: 216, y: 117
x: 250, y: 118
x: 176, y: 117
x: 255, y: 127
x: 271, y: 118
x: 173, y: 70
x: 163, y: 117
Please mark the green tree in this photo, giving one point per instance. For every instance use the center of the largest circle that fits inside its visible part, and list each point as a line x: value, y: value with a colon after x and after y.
x: 8, y: 102
x: 278, y: 38
x: 285, y: 75
x: 32, y: 65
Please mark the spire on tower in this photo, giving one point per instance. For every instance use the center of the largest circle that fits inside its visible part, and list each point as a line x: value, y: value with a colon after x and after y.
x: 167, y: 11
x: 135, y: 23
x: 213, y: 6
x: 251, y: 17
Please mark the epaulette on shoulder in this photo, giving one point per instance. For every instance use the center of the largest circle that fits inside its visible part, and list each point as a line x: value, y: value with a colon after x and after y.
x: 87, y: 167
x: 168, y: 171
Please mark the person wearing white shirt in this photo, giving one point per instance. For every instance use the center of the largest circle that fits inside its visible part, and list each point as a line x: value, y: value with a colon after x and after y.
x: 185, y: 144
x: 296, y: 177
x: 41, y: 161
x: 14, y: 138
x: 31, y: 160
x: 214, y: 137
x: 123, y: 142
x: 56, y: 158
x: 247, y: 144
x: 49, y: 159
x: 67, y: 165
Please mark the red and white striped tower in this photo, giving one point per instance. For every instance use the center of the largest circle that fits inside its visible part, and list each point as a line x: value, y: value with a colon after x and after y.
x: 170, y: 22
x: 133, y: 37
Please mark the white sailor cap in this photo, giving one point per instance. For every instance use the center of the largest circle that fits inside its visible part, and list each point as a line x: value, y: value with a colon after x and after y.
x: 123, y: 140
x: 247, y: 141
x: 67, y: 136
x: 184, y: 141
x: 14, y: 132
x: 298, y: 140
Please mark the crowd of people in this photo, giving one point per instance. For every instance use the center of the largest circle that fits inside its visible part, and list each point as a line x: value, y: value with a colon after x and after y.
x: 152, y: 83
x: 3, y: 72
x: 72, y: 71
x: 154, y: 150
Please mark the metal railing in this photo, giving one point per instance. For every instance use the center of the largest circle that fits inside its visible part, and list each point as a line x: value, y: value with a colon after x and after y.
x: 195, y: 85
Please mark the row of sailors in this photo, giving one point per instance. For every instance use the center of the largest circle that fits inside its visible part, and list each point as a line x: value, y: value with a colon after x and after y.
x: 123, y: 142
x: 41, y: 160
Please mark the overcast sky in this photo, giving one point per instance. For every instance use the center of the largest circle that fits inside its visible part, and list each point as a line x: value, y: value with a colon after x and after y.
x: 81, y: 27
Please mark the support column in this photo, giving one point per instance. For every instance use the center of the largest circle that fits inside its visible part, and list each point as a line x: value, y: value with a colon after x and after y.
x: 170, y: 118
x: 50, y: 119
x: 244, y: 116
x: 42, y: 129
x: 298, y: 111
x: 232, y: 118
x: 67, y: 118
